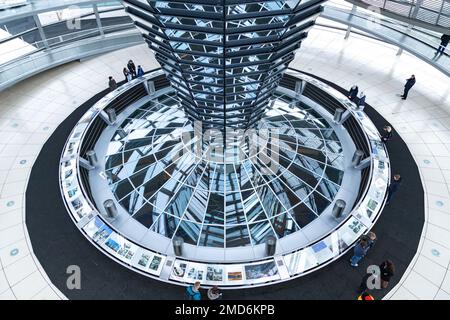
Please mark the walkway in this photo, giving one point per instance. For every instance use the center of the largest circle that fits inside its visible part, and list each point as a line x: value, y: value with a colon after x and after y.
x: 387, y: 33
x: 31, y: 110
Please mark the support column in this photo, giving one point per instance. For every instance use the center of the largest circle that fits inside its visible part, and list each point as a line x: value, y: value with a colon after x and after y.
x: 97, y: 18
x: 41, y: 31
x: 349, y: 29
x: 408, y: 30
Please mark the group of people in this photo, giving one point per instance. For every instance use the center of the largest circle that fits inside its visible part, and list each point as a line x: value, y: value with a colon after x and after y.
x: 359, y: 99
x: 366, y: 242
x: 387, y: 268
x: 193, y: 292
x: 130, y: 72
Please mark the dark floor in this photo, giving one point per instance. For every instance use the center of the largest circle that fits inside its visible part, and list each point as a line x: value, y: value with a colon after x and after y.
x: 57, y: 242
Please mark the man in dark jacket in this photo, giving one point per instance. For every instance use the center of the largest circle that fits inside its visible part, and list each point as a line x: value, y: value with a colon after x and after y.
x: 112, y: 84
x: 409, y: 84
x: 353, y: 92
x: 445, y: 39
x: 132, y: 67
x: 393, y: 188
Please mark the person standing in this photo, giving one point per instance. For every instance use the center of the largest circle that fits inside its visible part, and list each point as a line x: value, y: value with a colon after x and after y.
x: 445, y: 39
x: 353, y: 92
x: 387, y: 270
x: 112, y: 84
x: 359, y: 251
x: 408, y: 85
x: 140, y: 72
x: 393, y: 187
x: 371, y: 238
x: 126, y: 73
x: 387, y: 134
x: 361, y: 100
x: 214, y: 293
x: 193, y: 292
x: 131, y: 66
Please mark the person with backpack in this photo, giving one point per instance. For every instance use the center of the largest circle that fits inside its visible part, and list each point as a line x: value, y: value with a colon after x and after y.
x: 193, y: 292
x: 140, y: 72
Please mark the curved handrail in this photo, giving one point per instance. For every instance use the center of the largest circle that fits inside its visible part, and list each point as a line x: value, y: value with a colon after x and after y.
x: 358, y: 215
x: 59, y: 41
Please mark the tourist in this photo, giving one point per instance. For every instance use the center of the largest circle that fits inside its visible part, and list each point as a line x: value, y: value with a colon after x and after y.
x: 126, y: 73
x: 387, y: 134
x: 353, y: 92
x: 408, y: 85
x: 393, y: 187
x: 193, y: 292
x: 214, y: 293
x: 361, y: 100
x: 359, y: 251
x: 445, y: 39
x: 131, y: 66
x: 112, y: 84
x: 387, y: 270
x: 140, y: 72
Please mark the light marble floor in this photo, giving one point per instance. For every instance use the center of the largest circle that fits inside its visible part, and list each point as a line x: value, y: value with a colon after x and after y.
x: 31, y: 110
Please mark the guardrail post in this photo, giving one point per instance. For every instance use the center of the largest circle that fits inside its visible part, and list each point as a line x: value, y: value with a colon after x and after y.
x: 97, y: 18
x: 338, y: 209
x: 271, y: 245
x: 150, y: 87
x: 357, y: 157
x: 110, y: 208
x: 92, y: 158
x: 41, y: 31
x: 299, y: 87
x: 338, y: 115
x: 91, y: 162
x: 349, y: 28
x: 112, y: 117
x: 177, y: 243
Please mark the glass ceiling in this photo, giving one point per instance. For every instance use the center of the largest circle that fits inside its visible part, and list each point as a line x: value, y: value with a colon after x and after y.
x: 165, y: 184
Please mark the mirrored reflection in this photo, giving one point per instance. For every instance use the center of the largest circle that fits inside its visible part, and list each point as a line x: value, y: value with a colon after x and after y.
x: 237, y: 203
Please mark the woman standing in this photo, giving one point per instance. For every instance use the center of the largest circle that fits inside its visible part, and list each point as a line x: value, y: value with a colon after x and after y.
x: 387, y: 270
x: 126, y: 73
x: 359, y: 251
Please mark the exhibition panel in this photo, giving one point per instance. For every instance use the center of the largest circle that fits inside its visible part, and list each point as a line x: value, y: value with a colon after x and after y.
x: 136, y: 173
